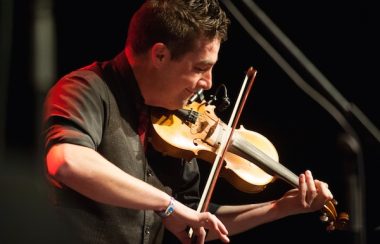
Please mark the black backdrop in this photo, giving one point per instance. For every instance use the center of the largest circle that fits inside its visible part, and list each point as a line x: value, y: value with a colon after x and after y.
x: 339, y: 38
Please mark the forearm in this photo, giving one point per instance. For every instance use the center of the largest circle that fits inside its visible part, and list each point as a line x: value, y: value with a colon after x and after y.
x: 310, y: 196
x: 90, y: 174
x: 241, y: 218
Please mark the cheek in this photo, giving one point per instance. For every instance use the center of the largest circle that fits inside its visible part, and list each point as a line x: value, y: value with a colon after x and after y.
x: 181, y: 77
x: 191, y: 80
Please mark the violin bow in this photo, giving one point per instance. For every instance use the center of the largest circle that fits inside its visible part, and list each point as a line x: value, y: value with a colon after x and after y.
x: 218, y: 162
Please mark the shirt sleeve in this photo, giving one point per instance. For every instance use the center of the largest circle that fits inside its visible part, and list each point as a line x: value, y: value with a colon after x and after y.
x: 74, y: 112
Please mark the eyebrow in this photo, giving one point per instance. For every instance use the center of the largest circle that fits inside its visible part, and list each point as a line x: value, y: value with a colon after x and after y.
x: 206, y: 62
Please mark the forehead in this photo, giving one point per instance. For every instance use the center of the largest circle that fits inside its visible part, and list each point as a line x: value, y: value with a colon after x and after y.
x: 204, y: 51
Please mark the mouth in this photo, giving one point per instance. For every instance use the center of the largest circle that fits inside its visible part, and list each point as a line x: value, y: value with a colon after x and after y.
x: 188, y: 96
x: 190, y: 93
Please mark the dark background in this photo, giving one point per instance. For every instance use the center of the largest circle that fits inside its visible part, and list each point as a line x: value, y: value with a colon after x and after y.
x: 339, y: 38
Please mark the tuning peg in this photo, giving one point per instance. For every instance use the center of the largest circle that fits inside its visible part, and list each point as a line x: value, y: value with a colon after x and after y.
x: 324, y: 218
x: 330, y: 227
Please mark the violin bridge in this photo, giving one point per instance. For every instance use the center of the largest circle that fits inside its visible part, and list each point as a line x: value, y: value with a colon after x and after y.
x: 215, y: 134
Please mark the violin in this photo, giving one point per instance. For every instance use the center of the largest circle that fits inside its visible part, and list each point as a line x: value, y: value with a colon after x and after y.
x: 251, y: 161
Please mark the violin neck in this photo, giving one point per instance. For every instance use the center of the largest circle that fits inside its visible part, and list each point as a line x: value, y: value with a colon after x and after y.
x: 245, y: 149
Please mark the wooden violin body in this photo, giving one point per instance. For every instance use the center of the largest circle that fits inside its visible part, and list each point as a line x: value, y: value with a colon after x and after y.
x: 250, y: 163
x: 175, y: 138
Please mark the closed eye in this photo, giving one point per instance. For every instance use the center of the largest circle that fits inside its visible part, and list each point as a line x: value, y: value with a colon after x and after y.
x: 202, y: 69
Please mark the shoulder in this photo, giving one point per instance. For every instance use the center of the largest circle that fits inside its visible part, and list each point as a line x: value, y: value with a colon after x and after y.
x: 80, y: 81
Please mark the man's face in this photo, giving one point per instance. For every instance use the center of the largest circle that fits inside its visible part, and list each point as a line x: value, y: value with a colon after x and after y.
x: 179, y: 79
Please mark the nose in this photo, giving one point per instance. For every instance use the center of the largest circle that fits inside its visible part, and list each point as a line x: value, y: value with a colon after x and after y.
x: 206, y: 81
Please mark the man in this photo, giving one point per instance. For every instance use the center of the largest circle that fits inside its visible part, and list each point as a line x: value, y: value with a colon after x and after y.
x: 106, y: 182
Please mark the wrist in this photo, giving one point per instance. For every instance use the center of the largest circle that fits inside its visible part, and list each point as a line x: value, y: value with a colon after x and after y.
x: 168, y: 210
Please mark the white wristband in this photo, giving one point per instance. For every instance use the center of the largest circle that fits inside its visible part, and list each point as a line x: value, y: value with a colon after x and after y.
x: 169, y: 210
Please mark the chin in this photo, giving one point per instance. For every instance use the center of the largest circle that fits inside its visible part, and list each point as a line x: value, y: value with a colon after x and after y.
x: 176, y: 106
x: 173, y: 105
x: 170, y: 106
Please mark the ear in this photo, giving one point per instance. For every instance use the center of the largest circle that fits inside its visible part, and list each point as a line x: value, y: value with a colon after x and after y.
x: 159, y: 54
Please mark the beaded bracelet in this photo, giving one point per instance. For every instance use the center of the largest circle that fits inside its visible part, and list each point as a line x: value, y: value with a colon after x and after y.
x: 168, y: 211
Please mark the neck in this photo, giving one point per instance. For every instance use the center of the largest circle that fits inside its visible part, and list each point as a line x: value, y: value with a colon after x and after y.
x: 143, y: 73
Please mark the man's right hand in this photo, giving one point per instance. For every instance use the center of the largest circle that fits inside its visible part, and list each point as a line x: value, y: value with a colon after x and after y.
x: 184, y: 217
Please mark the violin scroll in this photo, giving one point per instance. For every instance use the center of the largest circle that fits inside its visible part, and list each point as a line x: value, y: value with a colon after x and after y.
x: 332, y: 218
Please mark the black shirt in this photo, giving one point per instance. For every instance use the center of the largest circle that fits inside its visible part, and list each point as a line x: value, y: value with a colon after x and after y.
x: 98, y: 106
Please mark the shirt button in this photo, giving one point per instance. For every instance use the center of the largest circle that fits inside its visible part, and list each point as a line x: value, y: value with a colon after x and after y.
x: 149, y: 172
x: 147, y: 230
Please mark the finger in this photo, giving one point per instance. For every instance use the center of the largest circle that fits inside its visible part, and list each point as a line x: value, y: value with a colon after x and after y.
x: 219, y: 225
x: 311, y: 189
x: 223, y: 230
x: 211, y: 222
x: 200, y: 235
x: 302, y: 189
x: 324, y: 190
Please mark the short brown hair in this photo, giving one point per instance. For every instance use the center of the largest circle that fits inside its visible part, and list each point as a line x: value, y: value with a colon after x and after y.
x: 177, y: 24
